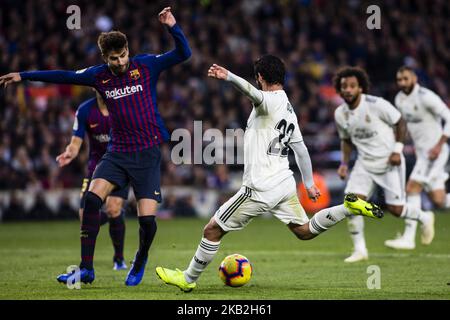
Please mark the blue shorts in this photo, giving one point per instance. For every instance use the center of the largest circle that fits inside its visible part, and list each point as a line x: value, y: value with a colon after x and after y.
x: 140, y: 169
x: 121, y: 193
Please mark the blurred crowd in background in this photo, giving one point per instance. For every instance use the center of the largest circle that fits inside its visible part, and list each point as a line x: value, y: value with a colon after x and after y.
x: 313, y: 37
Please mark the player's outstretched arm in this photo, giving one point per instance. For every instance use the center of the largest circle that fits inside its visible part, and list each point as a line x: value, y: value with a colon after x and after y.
x: 71, y: 151
x: 218, y: 72
x: 82, y: 77
x: 303, y: 161
x: 182, y: 50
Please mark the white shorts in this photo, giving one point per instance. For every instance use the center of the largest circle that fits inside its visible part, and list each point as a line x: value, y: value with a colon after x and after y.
x: 392, y: 182
x: 247, y: 204
x: 431, y: 174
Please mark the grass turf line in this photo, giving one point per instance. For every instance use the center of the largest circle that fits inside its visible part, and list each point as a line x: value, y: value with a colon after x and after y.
x: 33, y: 254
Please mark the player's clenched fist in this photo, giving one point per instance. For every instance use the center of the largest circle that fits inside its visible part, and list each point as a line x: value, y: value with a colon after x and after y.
x: 395, y: 159
x: 313, y: 193
x: 218, y: 72
x: 342, y: 171
x: 166, y: 17
x: 10, y: 78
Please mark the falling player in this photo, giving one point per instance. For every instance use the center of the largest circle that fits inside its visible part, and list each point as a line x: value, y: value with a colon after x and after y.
x: 423, y: 111
x: 268, y: 183
x: 92, y: 119
x: 128, y: 87
x: 375, y: 127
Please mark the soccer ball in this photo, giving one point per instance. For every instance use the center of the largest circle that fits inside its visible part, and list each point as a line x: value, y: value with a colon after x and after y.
x: 235, y: 270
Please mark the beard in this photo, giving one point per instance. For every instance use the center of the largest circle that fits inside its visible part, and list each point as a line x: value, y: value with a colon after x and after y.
x: 351, y: 99
x: 119, y: 69
x: 407, y: 90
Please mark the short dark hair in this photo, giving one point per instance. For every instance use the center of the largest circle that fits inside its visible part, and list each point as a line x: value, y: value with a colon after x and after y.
x: 271, y: 69
x: 357, y: 72
x: 111, y: 41
x: 406, y: 68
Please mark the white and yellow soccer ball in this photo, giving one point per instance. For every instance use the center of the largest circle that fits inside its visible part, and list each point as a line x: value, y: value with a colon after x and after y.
x: 235, y: 270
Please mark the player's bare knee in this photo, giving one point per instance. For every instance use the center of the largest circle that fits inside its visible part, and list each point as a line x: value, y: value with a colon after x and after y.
x: 113, y: 211
x: 395, y: 210
x: 113, y: 207
x: 439, y: 202
x: 212, y: 231
x: 101, y: 187
x: 413, y: 187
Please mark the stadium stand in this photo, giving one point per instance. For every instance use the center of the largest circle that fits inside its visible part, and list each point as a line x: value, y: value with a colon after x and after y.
x: 314, y: 38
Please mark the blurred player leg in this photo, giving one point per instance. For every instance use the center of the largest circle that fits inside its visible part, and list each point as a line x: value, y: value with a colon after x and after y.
x: 114, y: 207
x: 356, y: 229
x: 407, y: 241
x: 426, y: 218
x: 360, y: 182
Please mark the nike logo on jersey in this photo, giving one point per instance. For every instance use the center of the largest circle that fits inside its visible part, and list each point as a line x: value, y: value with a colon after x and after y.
x: 92, y: 126
x: 106, y: 81
x: 157, y: 193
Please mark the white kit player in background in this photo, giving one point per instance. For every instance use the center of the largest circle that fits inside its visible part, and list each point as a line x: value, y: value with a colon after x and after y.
x: 375, y: 127
x: 268, y: 183
x: 423, y: 111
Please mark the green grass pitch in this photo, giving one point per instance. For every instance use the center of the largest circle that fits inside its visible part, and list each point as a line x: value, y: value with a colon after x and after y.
x: 33, y: 254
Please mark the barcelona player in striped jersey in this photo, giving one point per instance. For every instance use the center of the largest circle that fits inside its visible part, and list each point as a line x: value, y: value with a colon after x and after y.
x: 128, y: 87
x: 92, y: 119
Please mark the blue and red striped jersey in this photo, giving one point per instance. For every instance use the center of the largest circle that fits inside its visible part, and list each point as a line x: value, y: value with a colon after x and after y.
x: 135, y: 121
x: 91, y: 122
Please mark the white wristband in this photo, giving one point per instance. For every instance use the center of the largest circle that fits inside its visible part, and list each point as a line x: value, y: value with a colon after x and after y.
x: 398, y: 148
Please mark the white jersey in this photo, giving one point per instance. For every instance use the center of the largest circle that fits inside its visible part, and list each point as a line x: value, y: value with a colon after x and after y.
x: 270, y: 127
x: 423, y: 111
x: 370, y: 129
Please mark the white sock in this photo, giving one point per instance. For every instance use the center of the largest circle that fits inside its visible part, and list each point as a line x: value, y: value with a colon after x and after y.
x: 447, y: 200
x: 326, y: 218
x: 411, y: 225
x: 203, y: 256
x: 356, y: 228
x: 413, y: 212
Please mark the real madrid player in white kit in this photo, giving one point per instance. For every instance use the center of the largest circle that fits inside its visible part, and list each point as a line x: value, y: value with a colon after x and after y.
x: 375, y: 127
x: 423, y: 111
x: 268, y: 183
